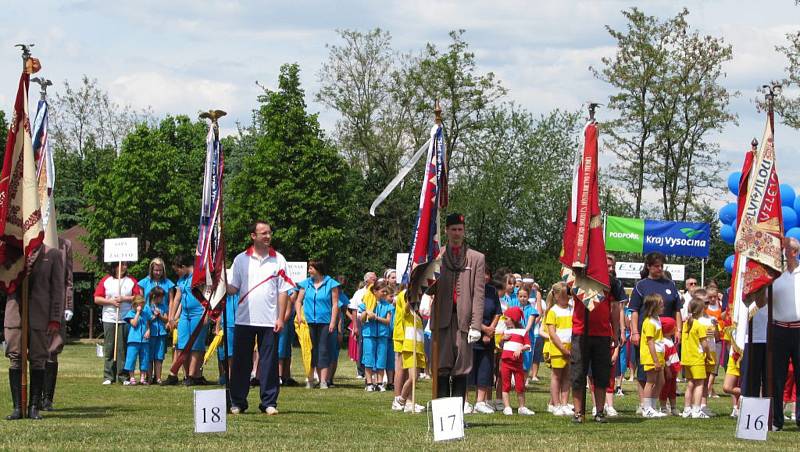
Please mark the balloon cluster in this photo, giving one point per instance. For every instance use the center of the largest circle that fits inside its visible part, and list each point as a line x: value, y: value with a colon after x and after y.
x: 790, y: 206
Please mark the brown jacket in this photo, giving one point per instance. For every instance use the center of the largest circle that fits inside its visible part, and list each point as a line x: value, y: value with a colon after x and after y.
x: 46, y: 293
x: 470, y: 292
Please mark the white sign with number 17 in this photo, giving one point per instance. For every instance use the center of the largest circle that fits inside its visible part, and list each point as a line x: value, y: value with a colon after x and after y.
x: 210, y: 411
x: 753, y: 418
x: 448, y: 418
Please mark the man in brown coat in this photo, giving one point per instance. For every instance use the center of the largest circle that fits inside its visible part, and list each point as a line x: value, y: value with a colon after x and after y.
x: 57, y: 340
x: 45, y: 315
x: 458, y: 307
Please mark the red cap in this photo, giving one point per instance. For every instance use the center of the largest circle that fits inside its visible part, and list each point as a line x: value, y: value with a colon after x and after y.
x: 514, y: 313
x: 667, y: 325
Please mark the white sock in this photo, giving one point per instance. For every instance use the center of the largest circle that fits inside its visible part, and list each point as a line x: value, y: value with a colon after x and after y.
x: 647, y: 403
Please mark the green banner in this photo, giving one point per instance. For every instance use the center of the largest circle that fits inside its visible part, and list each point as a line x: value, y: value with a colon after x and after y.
x: 624, y: 234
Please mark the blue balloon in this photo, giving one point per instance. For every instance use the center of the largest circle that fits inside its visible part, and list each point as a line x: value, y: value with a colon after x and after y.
x: 727, y: 233
x: 729, y: 264
x: 727, y: 214
x: 793, y: 232
x: 787, y: 195
x: 733, y: 182
x: 797, y: 204
x: 789, y: 218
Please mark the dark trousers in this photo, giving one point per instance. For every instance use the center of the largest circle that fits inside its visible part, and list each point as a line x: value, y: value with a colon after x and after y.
x: 244, y: 338
x: 754, y: 370
x: 113, y: 370
x: 785, y: 347
x: 320, y: 353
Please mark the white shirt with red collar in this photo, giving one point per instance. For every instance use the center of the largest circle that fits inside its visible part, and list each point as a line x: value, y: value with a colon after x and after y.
x: 259, y: 280
x: 786, y: 298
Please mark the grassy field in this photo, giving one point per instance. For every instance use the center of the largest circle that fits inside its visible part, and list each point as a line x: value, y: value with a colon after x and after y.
x: 92, y: 416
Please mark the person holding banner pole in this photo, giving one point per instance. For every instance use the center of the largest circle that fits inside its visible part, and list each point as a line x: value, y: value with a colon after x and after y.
x: 115, y: 296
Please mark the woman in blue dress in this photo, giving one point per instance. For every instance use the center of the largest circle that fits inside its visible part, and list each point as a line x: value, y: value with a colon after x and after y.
x: 190, y: 315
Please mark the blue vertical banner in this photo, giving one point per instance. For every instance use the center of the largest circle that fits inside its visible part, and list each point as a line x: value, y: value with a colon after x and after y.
x: 677, y: 238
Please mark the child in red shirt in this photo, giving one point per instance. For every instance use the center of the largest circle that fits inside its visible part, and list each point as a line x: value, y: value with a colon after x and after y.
x: 515, y: 341
x: 672, y: 367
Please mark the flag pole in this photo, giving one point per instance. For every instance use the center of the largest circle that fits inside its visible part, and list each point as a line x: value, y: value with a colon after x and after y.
x: 116, y: 322
x: 434, y: 319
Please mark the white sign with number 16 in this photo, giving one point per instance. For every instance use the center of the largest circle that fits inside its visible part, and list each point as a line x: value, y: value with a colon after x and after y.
x: 210, y: 411
x: 448, y: 418
x: 753, y: 418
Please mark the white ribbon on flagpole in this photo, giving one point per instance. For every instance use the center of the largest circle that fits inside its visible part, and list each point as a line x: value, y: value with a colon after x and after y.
x: 400, y: 176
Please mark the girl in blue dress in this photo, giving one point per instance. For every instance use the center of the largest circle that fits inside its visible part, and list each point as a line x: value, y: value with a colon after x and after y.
x: 191, y: 313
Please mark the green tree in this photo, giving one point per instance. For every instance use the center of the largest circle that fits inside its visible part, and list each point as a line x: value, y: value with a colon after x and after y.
x: 295, y: 179
x: 668, y: 99
x: 788, y: 106
x: 151, y: 191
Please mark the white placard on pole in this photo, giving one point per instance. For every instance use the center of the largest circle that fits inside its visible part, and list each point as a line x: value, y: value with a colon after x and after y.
x: 401, y: 260
x: 297, y: 271
x: 448, y: 418
x: 98, y: 350
x: 121, y: 250
x: 210, y: 412
x: 631, y: 270
x: 753, y: 422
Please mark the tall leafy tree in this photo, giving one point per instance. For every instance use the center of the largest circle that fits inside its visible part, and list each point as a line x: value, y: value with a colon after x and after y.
x: 668, y: 99
x: 151, y: 191
x: 295, y: 179
x: 788, y: 106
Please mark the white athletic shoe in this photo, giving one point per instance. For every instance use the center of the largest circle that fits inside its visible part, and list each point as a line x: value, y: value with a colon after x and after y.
x: 687, y: 412
x: 551, y: 408
x: 571, y: 407
x: 397, y: 404
x: 508, y: 411
x: 524, y: 411
x: 467, y: 408
x: 650, y: 413
x: 409, y: 408
x: 381, y: 388
x: 368, y: 388
x: 564, y: 410
x: 483, y: 408
x: 735, y: 412
x: 107, y: 382
x: 699, y: 414
x: 594, y: 411
x: 611, y: 411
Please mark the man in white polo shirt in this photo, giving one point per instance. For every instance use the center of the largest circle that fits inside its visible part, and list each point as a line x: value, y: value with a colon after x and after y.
x: 259, y: 277
x: 785, y: 329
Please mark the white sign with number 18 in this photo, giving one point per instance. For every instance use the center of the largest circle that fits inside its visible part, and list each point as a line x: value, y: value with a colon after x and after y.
x: 753, y: 418
x: 210, y: 412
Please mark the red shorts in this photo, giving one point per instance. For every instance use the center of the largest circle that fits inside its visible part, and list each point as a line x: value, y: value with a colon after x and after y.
x: 506, y: 371
x: 669, y: 390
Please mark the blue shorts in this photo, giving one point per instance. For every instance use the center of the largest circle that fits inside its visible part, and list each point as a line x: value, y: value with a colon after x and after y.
x: 482, y: 373
x: 538, y: 350
x: 158, y: 347
x: 285, y: 340
x: 376, y: 352
x: 185, y: 328
x: 390, y: 354
x: 139, y: 350
x: 228, y: 337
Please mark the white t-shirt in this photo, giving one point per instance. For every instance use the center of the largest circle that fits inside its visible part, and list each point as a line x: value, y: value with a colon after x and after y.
x: 786, y: 297
x: 109, y: 287
x: 357, y: 298
x: 259, y: 281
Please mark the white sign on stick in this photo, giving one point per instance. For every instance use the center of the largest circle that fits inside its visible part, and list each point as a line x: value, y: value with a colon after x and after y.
x: 297, y: 271
x: 753, y: 418
x: 448, y: 418
x: 121, y: 250
x: 401, y: 260
x: 210, y: 412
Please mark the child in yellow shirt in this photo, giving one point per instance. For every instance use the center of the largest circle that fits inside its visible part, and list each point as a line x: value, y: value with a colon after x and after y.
x: 651, y: 354
x: 695, y: 355
x: 558, y: 322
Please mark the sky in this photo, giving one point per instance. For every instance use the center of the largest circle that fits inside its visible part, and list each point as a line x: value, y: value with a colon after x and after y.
x: 181, y: 57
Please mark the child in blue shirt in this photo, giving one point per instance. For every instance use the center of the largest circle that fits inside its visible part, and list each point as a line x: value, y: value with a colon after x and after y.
x: 138, y: 341
x: 376, y: 315
x: 529, y: 316
x: 231, y: 301
x: 157, y: 312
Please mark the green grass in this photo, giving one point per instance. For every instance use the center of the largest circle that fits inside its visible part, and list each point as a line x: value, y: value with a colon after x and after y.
x: 91, y: 416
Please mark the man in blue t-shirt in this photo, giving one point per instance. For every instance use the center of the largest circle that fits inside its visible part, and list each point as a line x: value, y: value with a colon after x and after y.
x: 654, y: 282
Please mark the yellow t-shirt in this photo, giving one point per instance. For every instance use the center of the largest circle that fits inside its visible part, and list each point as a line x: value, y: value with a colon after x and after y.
x: 692, y: 353
x: 398, y: 333
x: 711, y: 330
x: 561, y: 318
x: 651, y: 328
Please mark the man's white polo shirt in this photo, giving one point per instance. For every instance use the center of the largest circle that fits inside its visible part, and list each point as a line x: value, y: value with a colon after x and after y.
x: 259, y: 281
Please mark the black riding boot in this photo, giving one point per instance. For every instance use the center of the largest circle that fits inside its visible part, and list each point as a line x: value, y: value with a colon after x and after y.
x: 37, y: 381
x: 443, y: 386
x: 49, y: 387
x: 15, y: 381
x: 460, y: 387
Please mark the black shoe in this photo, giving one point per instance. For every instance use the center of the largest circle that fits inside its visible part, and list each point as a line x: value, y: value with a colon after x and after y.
x: 37, y: 381
x: 254, y: 382
x: 188, y: 381
x: 201, y: 381
x: 600, y: 418
x: 49, y: 388
x: 15, y: 381
x: 171, y: 380
x: 331, y: 385
x: 389, y: 386
x: 291, y: 382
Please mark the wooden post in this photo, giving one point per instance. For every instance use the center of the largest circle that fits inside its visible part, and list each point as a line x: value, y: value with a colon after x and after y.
x: 413, y: 375
x: 434, y: 321
x: 91, y: 321
x: 24, y: 348
x: 770, y: 372
x: 116, y: 324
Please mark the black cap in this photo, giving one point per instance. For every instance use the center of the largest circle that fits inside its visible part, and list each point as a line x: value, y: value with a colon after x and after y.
x: 454, y: 218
